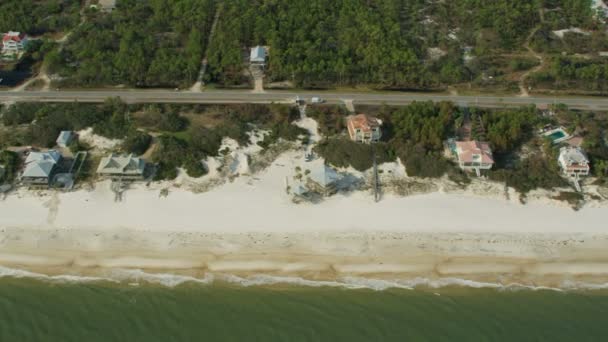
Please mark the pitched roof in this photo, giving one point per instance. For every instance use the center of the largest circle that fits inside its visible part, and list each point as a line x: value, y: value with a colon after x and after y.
x: 364, y: 122
x: 126, y: 165
x: 258, y: 54
x: 50, y: 155
x: 474, y: 151
x: 14, y: 36
x: 40, y: 164
x: 64, y: 137
x: 324, y: 175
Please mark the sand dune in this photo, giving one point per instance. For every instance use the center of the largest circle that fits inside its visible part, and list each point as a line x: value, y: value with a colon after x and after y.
x: 250, y: 226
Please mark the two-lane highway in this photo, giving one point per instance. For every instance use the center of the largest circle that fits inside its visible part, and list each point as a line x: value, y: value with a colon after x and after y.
x: 240, y: 96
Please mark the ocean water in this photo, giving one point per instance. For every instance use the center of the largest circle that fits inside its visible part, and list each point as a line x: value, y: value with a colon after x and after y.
x: 69, y: 309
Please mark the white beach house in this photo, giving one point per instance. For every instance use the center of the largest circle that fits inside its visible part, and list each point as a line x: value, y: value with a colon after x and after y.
x: 364, y: 128
x: 40, y: 168
x: 573, y: 162
x: 258, y: 56
x: 13, y: 43
x: 120, y: 167
x: 473, y: 156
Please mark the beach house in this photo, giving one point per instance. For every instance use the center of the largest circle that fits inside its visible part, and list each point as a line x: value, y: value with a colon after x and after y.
x: 121, y: 167
x: 13, y: 43
x: 258, y: 56
x: 573, y: 162
x: 473, y: 156
x: 323, y: 180
x: 65, y: 138
x: 364, y: 128
x: 40, y: 168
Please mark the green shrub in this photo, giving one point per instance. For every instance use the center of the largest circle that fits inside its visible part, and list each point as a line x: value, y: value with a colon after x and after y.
x: 342, y: 152
x: 137, y: 142
x: 425, y: 165
x: 205, y: 140
x: 532, y: 173
x: 20, y: 113
x: 77, y: 146
x: 10, y: 162
x: 195, y: 168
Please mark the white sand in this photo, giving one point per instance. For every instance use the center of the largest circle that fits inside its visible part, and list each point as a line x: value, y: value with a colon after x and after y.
x: 250, y: 226
x: 98, y: 142
x: 259, y: 203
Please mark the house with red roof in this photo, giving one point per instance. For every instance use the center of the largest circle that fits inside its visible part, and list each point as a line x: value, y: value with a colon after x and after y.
x: 473, y: 156
x: 364, y: 128
x: 13, y: 43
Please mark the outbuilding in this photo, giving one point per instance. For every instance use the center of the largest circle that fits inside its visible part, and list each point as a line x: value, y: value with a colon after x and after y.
x: 258, y: 55
x: 65, y: 138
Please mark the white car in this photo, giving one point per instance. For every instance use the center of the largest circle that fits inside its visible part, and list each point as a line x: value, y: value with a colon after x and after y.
x: 317, y: 100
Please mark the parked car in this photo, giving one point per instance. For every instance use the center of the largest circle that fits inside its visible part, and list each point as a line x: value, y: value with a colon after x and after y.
x: 317, y: 100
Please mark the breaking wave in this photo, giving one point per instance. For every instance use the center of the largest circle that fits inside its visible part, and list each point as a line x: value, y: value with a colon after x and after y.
x: 137, y: 277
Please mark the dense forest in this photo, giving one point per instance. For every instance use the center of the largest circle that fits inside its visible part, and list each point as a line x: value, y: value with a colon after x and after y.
x: 39, y: 16
x: 384, y: 43
x: 143, y: 43
x: 381, y: 44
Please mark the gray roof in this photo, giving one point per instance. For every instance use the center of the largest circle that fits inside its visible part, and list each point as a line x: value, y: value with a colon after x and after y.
x: 299, y: 190
x: 40, y: 164
x: 324, y: 176
x: 125, y: 165
x: 64, y: 138
x: 258, y: 54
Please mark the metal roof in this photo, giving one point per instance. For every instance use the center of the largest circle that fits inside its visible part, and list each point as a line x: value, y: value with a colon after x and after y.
x: 258, y: 54
x: 40, y: 164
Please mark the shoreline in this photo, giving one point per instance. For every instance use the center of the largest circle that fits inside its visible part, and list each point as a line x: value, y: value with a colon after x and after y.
x: 376, y: 260
x: 247, y: 228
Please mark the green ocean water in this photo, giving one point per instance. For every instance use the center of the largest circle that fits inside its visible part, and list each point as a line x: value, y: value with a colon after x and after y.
x: 33, y: 310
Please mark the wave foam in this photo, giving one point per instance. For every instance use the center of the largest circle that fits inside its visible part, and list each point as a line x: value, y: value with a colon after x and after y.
x: 136, y: 276
x: 69, y: 278
x: 164, y: 279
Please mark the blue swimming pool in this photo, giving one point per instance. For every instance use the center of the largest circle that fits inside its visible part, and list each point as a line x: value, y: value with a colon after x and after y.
x: 557, y: 135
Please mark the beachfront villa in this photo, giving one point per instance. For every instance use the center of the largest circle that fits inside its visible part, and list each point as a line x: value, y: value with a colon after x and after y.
x: 364, y: 128
x: 258, y: 56
x: 65, y: 138
x: 13, y: 43
x: 120, y: 167
x: 473, y: 156
x: 573, y: 162
x: 40, y: 168
x: 323, y: 180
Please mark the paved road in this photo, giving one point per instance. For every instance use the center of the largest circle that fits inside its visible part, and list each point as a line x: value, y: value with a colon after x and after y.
x: 238, y: 96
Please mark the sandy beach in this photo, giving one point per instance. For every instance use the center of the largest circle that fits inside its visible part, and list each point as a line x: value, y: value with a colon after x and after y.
x: 250, y: 227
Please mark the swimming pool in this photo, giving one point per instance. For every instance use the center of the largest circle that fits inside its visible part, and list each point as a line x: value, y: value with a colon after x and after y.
x: 557, y: 135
